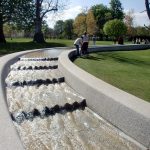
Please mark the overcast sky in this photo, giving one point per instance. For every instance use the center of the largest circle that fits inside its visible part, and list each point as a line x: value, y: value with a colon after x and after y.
x: 74, y: 7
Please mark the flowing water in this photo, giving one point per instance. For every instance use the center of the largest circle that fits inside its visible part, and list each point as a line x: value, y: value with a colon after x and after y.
x: 77, y: 130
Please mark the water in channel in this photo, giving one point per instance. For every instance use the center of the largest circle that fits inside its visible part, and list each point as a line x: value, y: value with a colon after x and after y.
x: 81, y: 129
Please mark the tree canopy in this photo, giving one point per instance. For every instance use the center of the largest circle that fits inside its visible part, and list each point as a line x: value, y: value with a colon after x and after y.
x: 91, y: 23
x: 116, y: 9
x: 15, y: 11
x: 102, y: 14
x: 128, y: 20
x: 68, y: 28
x: 80, y: 24
x: 59, y: 27
x: 115, y: 28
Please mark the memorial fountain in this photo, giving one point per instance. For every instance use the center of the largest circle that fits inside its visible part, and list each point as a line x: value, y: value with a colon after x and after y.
x: 48, y: 114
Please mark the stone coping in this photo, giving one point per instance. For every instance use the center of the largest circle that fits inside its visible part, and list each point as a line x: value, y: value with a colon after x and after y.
x: 129, y: 47
x: 9, y: 138
x: 125, y: 111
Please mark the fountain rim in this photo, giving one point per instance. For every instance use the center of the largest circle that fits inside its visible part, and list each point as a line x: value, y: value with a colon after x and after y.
x: 114, y: 105
x: 9, y: 138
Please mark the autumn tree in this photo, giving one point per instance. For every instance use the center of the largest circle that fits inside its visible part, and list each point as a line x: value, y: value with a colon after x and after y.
x: 129, y: 21
x: 91, y: 23
x: 80, y: 25
x: 115, y: 28
x: 116, y: 9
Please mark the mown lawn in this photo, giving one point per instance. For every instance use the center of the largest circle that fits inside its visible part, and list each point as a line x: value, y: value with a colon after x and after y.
x: 21, y: 44
x: 127, y: 70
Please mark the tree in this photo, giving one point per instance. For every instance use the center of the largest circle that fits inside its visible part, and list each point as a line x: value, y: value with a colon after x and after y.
x: 129, y: 18
x: 13, y: 11
x: 102, y: 14
x: 45, y: 29
x: 11, y: 30
x: 142, y: 31
x: 115, y: 28
x: 42, y: 8
x: 91, y: 23
x: 147, y: 3
x: 51, y: 33
x: 116, y: 9
x: 59, y: 28
x: 24, y: 18
x: 79, y: 25
x: 68, y: 28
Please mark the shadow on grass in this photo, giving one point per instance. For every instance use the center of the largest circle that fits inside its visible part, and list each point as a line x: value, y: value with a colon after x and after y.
x: 126, y: 60
x: 131, y: 61
x: 11, y: 47
x: 118, y: 58
x: 92, y: 57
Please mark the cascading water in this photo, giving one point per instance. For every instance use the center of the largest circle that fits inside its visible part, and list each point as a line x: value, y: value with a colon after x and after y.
x: 73, y: 126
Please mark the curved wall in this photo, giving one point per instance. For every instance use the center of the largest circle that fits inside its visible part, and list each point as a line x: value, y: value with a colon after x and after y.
x: 125, y: 111
x: 130, y: 47
x: 96, y: 95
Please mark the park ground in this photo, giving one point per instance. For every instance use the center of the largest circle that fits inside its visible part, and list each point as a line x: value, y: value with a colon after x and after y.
x: 21, y: 44
x: 127, y: 70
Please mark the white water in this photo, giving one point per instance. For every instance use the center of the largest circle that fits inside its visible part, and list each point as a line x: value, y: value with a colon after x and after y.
x: 33, y: 63
x: 79, y: 130
x: 28, y: 75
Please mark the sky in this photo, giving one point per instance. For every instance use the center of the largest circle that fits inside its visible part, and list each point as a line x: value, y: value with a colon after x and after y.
x: 74, y: 7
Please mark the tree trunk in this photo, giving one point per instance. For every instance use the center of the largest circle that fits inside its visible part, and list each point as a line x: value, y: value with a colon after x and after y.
x: 147, y: 8
x: 120, y: 40
x: 38, y: 36
x: 2, y: 37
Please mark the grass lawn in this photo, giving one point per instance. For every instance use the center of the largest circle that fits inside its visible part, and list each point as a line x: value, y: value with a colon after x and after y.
x: 20, y: 44
x: 127, y: 70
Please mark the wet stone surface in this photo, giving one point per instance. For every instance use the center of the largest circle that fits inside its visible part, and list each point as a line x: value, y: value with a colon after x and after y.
x: 80, y: 129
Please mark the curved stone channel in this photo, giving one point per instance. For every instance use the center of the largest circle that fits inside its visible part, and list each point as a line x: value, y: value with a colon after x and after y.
x: 79, y: 129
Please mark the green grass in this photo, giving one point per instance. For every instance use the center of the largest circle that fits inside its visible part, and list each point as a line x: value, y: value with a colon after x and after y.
x: 21, y: 44
x: 127, y: 70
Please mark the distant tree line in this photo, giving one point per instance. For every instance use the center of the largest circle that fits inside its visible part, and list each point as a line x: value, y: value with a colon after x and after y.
x: 94, y: 20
